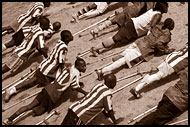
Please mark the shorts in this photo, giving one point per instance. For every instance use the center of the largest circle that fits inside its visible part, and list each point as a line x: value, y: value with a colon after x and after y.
x: 166, y: 69
x: 14, y: 61
x: 126, y: 34
x: 18, y: 37
x: 131, y: 53
x: 45, y: 102
x: 120, y: 19
x: 42, y: 79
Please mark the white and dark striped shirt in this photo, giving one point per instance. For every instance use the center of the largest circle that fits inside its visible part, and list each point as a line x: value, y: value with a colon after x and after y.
x: 93, y: 103
x: 35, y: 11
x: 178, y: 59
x: 33, y: 34
x: 58, y: 55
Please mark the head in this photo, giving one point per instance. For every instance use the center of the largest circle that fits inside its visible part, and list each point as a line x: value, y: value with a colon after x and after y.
x: 161, y: 6
x: 110, y: 80
x: 44, y: 23
x: 56, y: 26
x: 80, y: 64
x: 169, y: 24
x: 46, y: 4
x: 66, y: 36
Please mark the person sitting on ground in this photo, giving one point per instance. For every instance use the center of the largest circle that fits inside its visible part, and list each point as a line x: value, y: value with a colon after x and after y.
x: 95, y: 9
x: 173, y: 63
x: 51, y: 93
x: 120, y: 19
x: 156, y: 42
x: 28, y: 19
x: 134, y: 28
x: 34, y: 39
x: 174, y: 102
x: 18, y: 37
x: 46, y: 72
x: 81, y: 112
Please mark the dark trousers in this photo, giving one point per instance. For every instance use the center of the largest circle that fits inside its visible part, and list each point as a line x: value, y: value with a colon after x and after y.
x: 71, y: 119
x: 165, y: 112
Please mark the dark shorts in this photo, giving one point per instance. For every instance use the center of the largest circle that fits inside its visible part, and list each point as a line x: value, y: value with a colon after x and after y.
x: 42, y: 79
x: 18, y: 37
x: 120, y: 19
x: 45, y: 103
x: 126, y: 34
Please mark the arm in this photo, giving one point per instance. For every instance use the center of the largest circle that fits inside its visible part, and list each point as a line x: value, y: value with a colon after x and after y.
x: 41, y: 46
x: 155, y: 20
x: 81, y: 91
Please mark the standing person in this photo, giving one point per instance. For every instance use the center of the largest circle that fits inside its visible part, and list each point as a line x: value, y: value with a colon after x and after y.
x: 97, y: 8
x: 120, y: 19
x: 173, y: 63
x: 156, y: 42
x: 34, y: 39
x: 51, y: 93
x: 45, y: 74
x: 81, y: 112
x: 174, y: 102
x: 18, y: 37
x: 29, y: 18
x: 134, y: 28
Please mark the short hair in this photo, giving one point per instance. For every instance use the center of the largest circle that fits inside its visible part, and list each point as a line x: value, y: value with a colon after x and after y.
x: 160, y: 6
x: 46, y: 4
x: 66, y: 36
x: 110, y: 80
x: 44, y: 23
x: 169, y: 23
x: 78, y: 62
x: 56, y: 26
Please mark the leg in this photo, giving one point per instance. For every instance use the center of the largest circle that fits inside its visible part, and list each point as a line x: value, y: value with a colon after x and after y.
x: 9, y: 29
x: 165, y: 112
x: 33, y: 104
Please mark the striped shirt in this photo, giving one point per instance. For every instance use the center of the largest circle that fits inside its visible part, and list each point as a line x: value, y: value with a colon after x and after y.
x: 178, y: 60
x: 35, y: 11
x: 98, y: 98
x: 65, y: 78
x: 57, y: 56
x: 33, y: 35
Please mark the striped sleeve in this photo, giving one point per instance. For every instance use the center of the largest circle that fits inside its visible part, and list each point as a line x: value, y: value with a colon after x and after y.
x: 62, y: 55
x: 107, y: 103
x: 75, y: 82
x: 41, y: 42
x: 37, y: 13
x: 50, y: 28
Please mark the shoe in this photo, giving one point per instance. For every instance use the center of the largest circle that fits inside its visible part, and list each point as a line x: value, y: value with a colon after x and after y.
x: 135, y: 93
x: 94, y: 35
x: 7, y: 122
x: 100, y: 75
x: 8, y: 93
x: 94, y: 51
x: 74, y: 18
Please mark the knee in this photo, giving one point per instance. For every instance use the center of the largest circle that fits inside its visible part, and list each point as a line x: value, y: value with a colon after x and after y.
x: 109, y: 42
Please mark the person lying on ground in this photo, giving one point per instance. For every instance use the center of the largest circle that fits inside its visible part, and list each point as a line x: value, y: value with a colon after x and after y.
x: 134, y: 28
x: 135, y: 10
x: 174, y: 102
x: 173, y: 63
x: 156, y: 42
x: 92, y: 10
x: 82, y: 112
x: 48, y: 67
x: 52, y: 93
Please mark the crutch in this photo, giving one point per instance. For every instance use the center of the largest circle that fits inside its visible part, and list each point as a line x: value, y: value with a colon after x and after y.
x: 178, y: 122
x: 105, y: 57
x: 20, y: 80
x: 55, y: 112
x: 142, y: 114
x: 94, y: 24
x: 121, y: 88
x: 21, y: 100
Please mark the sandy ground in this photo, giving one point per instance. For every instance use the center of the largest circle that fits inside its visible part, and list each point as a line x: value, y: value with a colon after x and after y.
x: 123, y: 103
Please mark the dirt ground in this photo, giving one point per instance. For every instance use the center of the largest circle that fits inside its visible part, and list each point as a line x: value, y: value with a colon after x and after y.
x: 124, y: 104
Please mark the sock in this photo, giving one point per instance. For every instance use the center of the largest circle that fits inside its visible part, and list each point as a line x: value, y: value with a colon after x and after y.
x: 104, y: 25
x: 3, y: 47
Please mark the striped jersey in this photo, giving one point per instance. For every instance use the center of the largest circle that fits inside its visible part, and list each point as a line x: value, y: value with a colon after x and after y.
x: 178, y: 60
x: 33, y: 35
x: 35, y: 11
x: 57, y: 56
x: 98, y: 98
x: 64, y: 78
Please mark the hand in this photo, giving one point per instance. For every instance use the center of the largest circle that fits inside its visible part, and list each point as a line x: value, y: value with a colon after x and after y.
x: 119, y: 120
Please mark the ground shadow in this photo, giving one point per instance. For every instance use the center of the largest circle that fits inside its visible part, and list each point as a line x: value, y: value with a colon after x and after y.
x: 100, y: 119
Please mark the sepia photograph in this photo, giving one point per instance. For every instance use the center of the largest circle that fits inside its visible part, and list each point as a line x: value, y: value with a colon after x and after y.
x: 95, y: 63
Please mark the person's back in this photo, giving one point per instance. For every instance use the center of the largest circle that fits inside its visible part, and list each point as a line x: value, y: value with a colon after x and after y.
x: 92, y: 103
